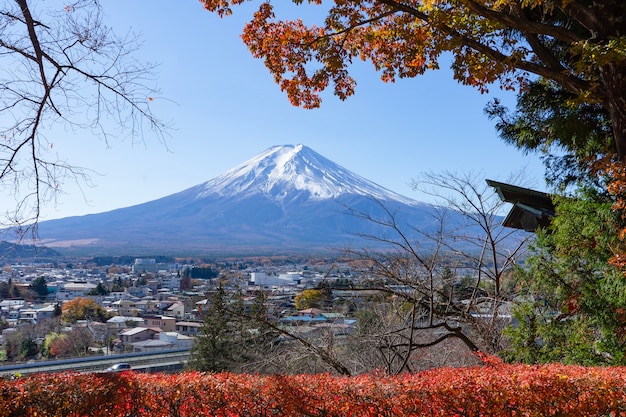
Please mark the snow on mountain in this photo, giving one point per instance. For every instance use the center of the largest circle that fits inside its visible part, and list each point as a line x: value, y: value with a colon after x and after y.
x: 281, y: 171
x: 288, y: 198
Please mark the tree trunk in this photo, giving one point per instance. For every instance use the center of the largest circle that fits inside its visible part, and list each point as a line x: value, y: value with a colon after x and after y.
x: 613, y: 78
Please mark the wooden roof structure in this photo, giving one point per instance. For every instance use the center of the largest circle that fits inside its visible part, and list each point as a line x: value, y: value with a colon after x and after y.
x: 531, y: 209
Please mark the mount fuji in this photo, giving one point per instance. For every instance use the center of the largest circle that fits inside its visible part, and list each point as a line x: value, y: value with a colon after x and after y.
x: 287, y: 199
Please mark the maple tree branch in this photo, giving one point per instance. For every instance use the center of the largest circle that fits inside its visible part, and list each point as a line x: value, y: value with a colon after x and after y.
x: 571, y: 82
x: 521, y: 24
x: 583, y: 14
x: 360, y: 23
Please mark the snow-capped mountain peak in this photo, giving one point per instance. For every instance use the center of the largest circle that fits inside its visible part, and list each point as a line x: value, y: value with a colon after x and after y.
x: 294, y: 170
x: 287, y: 199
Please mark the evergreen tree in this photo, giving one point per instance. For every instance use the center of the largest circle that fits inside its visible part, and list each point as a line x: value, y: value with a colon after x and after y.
x: 234, y: 336
x: 213, y: 349
x: 574, y: 308
x: 40, y: 286
x: 568, y: 135
x: 99, y: 290
x: 574, y: 305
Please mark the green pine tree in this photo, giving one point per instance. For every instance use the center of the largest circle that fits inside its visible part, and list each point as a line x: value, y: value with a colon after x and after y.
x: 214, y: 347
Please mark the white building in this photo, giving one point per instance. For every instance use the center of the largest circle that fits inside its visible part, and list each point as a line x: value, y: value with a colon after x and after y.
x: 171, y: 281
x: 36, y: 315
x: 261, y: 279
x: 176, y: 340
x: 144, y: 265
x: 71, y: 290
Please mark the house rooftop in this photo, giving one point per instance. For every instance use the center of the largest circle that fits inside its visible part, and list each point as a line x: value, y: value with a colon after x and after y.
x: 531, y: 209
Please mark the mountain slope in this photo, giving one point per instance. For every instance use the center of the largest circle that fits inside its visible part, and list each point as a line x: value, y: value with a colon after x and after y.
x: 288, y: 198
x: 289, y: 172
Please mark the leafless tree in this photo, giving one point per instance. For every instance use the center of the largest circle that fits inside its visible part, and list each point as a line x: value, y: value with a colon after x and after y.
x: 74, y: 343
x: 62, y: 69
x: 294, y: 350
x: 500, y: 248
x: 386, y: 339
x: 443, y: 286
x: 296, y: 353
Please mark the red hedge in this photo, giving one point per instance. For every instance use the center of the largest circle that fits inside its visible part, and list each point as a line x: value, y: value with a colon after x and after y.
x: 493, y: 390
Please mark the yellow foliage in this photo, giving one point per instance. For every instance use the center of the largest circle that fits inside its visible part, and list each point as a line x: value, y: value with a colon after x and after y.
x: 308, y: 299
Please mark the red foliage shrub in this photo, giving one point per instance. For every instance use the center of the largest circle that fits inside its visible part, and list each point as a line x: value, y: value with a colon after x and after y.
x: 493, y: 390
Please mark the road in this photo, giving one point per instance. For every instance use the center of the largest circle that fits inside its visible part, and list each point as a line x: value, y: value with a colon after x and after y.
x: 164, y: 360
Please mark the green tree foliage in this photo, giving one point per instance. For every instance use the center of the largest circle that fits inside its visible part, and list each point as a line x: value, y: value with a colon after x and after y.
x: 215, y: 347
x: 9, y: 290
x: 142, y: 280
x: 237, y: 335
x: 574, y: 307
x: 28, y: 348
x: 100, y: 289
x: 201, y: 272
x: 20, y: 346
x: 568, y: 134
x: 74, y: 343
x: 119, y: 284
x: 573, y: 310
x: 40, y: 287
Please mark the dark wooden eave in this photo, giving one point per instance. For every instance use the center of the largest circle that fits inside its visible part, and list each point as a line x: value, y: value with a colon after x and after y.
x: 531, y: 209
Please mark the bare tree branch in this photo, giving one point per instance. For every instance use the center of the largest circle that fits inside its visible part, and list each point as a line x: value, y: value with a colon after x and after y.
x: 63, y: 67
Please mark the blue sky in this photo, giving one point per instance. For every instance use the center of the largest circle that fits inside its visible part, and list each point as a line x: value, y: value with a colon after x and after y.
x: 226, y: 108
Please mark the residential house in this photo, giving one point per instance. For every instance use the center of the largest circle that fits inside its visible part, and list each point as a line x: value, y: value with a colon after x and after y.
x: 176, y: 339
x: 171, y: 281
x: 36, y: 314
x: 188, y: 328
x: 126, y: 307
x: 190, y: 304
x: 147, y: 306
x: 334, y: 317
x: 316, y: 317
x: 139, y: 292
x: 151, y: 345
x: 200, y: 307
x: 310, y: 312
x: 122, y: 322
x: 137, y: 334
x: 9, y: 310
x: 165, y: 323
x: 175, y: 309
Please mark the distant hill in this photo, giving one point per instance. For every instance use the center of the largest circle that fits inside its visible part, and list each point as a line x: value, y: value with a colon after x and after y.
x: 12, y: 251
x: 288, y: 199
